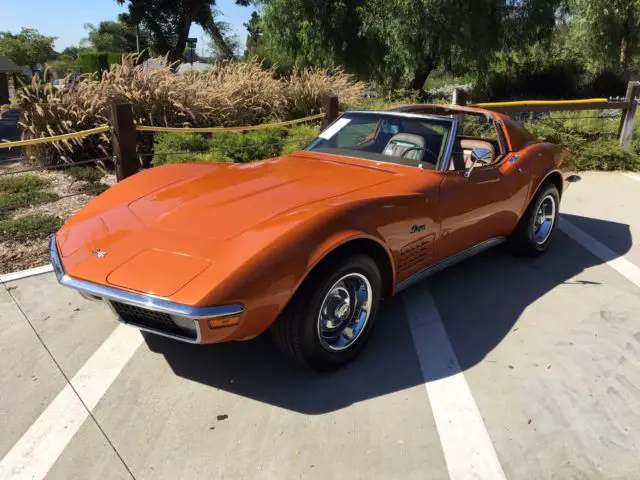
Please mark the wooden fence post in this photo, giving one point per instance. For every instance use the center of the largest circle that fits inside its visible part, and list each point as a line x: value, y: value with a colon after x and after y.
x: 330, y: 105
x: 459, y: 97
x: 124, y: 138
x: 625, y: 132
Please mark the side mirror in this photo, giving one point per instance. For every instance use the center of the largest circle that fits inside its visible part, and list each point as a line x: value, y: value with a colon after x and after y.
x: 482, y: 155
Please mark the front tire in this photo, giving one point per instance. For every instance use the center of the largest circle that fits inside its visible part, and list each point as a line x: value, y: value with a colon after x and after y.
x: 535, y: 230
x: 330, y: 319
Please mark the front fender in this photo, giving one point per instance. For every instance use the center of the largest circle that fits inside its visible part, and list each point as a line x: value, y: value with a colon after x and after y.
x: 272, y: 272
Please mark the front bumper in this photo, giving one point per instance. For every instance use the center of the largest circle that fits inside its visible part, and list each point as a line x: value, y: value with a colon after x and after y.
x: 146, y: 312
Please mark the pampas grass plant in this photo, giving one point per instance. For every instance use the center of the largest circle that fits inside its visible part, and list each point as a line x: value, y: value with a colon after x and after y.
x: 231, y: 93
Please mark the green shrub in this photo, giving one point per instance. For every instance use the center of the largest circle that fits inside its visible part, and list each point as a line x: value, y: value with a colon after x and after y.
x: 14, y: 201
x: 29, y: 226
x: 11, y: 184
x: 606, y: 155
x: 220, y: 147
x: 298, y: 137
x: 249, y: 146
x: 555, y: 133
x: 85, y: 174
x: 89, y: 63
x: 167, y: 144
x: 93, y: 188
x: 114, y: 58
x: 22, y: 191
x: 530, y: 78
x: 593, y: 140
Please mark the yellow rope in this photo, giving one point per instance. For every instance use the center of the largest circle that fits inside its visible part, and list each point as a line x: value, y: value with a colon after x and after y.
x: 57, y: 138
x: 525, y: 103
x: 145, y: 128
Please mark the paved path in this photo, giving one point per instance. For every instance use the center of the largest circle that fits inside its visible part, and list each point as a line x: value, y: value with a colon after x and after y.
x: 497, y: 368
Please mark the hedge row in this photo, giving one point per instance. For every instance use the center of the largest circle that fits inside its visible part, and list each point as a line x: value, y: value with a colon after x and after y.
x: 231, y: 147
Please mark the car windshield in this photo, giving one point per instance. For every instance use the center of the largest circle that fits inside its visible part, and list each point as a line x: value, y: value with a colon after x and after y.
x: 406, y: 139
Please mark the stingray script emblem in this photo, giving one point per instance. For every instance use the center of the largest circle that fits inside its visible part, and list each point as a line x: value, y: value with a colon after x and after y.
x: 99, y: 253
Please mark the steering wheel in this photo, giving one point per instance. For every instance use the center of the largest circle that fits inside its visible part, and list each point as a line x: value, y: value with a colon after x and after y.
x: 424, y: 149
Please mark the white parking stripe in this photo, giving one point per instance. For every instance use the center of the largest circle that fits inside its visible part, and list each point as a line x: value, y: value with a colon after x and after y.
x: 38, y: 449
x: 632, y: 175
x: 467, y: 447
x: 623, y: 266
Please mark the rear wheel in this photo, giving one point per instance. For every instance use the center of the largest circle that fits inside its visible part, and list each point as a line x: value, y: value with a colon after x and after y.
x: 330, y: 319
x: 536, y: 228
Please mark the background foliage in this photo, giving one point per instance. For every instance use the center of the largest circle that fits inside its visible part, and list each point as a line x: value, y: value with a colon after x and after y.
x: 230, y: 94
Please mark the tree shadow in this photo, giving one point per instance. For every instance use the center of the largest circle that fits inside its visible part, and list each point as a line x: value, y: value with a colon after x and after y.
x: 491, y: 290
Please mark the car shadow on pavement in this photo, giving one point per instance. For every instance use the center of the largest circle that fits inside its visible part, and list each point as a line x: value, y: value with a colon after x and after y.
x: 479, y: 302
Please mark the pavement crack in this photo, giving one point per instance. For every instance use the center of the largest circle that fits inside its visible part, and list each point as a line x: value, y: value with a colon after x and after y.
x: 64, y: 375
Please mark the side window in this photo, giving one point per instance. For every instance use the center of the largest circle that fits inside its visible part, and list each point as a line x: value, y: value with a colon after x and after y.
x: 477, y: 139
x: 477, y: 126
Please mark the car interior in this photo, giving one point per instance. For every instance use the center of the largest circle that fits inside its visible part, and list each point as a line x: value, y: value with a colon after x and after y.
x: 411, y: 141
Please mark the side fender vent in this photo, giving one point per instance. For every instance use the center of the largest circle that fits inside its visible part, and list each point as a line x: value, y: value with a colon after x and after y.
x: 416, y: 254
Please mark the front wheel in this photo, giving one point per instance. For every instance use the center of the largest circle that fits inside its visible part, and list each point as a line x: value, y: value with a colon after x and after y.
x: 536, y: 228
x: 329, y: 320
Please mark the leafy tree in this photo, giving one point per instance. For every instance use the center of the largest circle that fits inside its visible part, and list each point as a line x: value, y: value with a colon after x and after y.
x: 168, y: 23
x: 72, y: 51
x: 607, y: 30
x: 63, y: 65
x: 230, y: 44
x: 110, y: 36
x: 254, y: 30
x: 28, y: 47
x: 320, y: 33
x: 402, y: 39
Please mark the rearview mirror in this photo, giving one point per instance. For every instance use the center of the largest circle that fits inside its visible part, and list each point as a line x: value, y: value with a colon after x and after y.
x: 479, y: 155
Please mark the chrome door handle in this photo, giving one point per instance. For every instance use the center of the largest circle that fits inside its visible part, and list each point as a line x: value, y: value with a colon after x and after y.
x: 522, y: 170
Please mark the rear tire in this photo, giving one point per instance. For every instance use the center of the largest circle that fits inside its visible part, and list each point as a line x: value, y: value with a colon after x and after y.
x: 329, y: 320
x: 535, y: 230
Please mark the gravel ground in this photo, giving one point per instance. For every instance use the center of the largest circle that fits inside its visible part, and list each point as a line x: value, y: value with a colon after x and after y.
x: 32, y: 252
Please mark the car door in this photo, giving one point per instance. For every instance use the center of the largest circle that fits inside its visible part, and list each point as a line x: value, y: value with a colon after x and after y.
x: 483, y: 206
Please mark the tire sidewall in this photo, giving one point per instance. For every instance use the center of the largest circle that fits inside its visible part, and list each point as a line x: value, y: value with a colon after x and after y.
x: 544, y: 192
x: 317, y: 355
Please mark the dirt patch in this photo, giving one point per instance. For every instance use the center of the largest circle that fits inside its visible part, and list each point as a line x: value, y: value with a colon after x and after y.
x: 22, y: 253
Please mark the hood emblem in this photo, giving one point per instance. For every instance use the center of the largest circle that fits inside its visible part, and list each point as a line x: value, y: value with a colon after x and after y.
x: 99, y: 253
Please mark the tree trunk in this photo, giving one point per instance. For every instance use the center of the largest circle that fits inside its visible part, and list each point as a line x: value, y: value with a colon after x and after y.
x: 624, y: 57
x: 421, y: 74
x: 419, y: 78
x: 220, y: 42
x: 178, y: 49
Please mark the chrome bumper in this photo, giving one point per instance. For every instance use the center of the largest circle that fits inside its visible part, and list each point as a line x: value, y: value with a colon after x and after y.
x: 183, y: 315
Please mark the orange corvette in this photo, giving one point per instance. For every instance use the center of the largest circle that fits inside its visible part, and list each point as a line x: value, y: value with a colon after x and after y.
x: 306, y: 245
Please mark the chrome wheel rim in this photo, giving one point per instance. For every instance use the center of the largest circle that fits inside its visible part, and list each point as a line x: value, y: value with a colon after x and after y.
x: 544, y: 220
x: 344, y: 312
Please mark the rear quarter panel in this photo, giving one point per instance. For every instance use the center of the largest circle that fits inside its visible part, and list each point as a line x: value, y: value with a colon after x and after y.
x: 543, y: 159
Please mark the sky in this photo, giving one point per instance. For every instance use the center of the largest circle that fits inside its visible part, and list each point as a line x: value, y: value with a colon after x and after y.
x: 65, y: 19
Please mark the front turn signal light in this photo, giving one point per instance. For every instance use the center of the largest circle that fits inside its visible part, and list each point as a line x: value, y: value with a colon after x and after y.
x: 221, y: 322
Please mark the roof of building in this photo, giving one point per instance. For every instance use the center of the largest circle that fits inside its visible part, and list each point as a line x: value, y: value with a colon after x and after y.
x: 6, y: 65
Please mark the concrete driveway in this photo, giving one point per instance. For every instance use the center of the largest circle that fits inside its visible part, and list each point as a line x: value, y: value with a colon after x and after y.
x: 497, y: 368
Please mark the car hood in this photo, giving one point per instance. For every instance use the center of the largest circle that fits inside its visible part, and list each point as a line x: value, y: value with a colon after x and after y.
x: 232, y: 198
x: 158, y: 230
